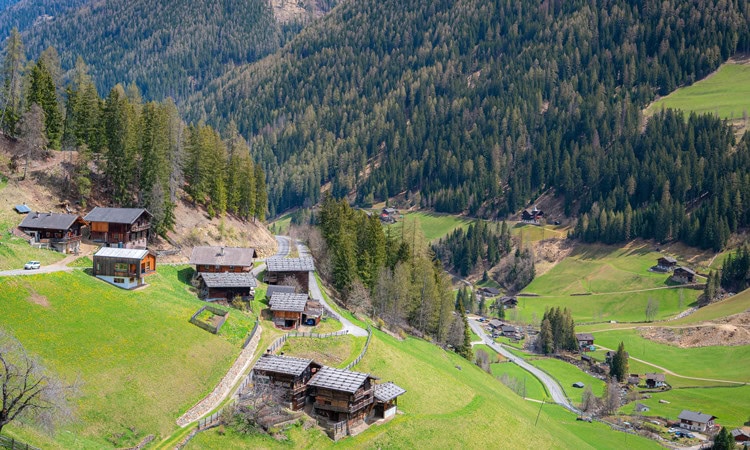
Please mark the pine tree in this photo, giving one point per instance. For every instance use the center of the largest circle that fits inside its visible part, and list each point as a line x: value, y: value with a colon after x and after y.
x: 619, y: 365
x: 120, y: 162
x: 465, y: 349
x: 724, y: 440
x: 12, y: 82
x: 546, y: 340
x: 42, y: 91
x: 261, y: 196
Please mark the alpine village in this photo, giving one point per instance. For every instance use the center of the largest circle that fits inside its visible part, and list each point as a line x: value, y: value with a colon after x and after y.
x: 412, y: 224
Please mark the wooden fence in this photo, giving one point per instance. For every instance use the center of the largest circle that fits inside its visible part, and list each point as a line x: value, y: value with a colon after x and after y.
x: 207, y: 326
x: 13, y: 444
x: 364, y: 350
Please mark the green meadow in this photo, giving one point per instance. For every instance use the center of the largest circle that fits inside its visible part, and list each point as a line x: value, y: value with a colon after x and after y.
x: 725, y: 93
x: 140, y: 362
x: 434, y: 225
x: 449, y: 403
x: 534, y: 388
x: 567, y: 374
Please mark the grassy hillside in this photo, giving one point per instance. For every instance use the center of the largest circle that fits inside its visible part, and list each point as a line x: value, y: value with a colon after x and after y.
x: 602, y: 283
x: 444, y: 407
x: 725, y: 93
x: 434, y: 225
x: 534, y: 388
x: 140, y: 361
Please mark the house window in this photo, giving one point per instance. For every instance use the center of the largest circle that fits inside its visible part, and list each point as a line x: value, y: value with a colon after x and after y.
x: 121, y: 267
x: 98, y: 267
x: 119, y: 280
x: 217, y: 267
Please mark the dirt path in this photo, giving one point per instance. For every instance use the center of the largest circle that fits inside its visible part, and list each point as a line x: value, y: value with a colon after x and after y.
x: 625, y: 292
x: 669, y: 372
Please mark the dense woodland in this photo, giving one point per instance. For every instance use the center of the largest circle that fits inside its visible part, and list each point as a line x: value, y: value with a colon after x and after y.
x: 480, y: 246
x: 480, y: 105
x: 167, y: 48
x: 735, y: 272
x: 557, y: 332
x: 130, y: 153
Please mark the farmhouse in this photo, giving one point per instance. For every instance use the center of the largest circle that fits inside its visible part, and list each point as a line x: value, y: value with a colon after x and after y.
x: 60, y: 232
x: 299, y: 269
x: 123, y: 267
x: 222, y: 259
x: 293, y: 310
x: 389, y: 215
x: 634, y: 379
x: 120, y: 227
x: 386, y: 399
x: 741, y: 435
x: 226, y: 285
x: 666, y: 264
x: 533, y: 216
x: 656, y: 380
x: 695, y: 421
x: 489, y: 291
x: 288, y: 374
x: 585, y: 339
x: 683, y: 275
x: 507, y: 302
x: 511, y: 332
x: 342, y: 397
x: 496, y: 324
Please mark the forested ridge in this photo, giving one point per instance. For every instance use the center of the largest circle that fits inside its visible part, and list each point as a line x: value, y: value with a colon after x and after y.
x: 477, y: 105
x: 167, y: 48
x: 23, y: 14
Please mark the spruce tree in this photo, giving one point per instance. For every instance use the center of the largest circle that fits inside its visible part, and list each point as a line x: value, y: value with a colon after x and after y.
x: 12, y: 82
x: 42, y: 91
x: 724, y: 440
x: 619, y: 365
x: 546, y: 340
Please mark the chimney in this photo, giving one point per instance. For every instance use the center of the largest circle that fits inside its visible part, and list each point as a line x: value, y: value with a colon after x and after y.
x: 222, y: 251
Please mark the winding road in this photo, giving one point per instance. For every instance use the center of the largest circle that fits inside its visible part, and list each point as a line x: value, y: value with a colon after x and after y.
x: 553, y: 387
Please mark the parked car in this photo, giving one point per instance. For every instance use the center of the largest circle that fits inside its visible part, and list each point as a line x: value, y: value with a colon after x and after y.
x: 32, y: 265
x: 672, y: 430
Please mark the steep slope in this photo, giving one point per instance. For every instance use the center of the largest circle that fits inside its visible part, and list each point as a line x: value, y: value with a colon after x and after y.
x: 168, y: 48
x: 23, y: 14
x: 477, y: 105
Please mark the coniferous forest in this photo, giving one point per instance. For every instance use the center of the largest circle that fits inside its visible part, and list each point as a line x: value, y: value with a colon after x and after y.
x: 478, y: 106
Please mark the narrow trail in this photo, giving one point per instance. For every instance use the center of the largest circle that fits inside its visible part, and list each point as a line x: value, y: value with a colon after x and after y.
x: 681, y: 286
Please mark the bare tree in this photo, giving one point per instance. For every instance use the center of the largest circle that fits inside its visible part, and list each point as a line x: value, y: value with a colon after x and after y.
x: 589, y: 402
x: 611, y: 399
x: 652, y: 309
x: 482, y: 359
x: 358, y: 298
x: 29, y: 390
x: 31, y: 130
x: 260, y: 404
x: 293, y: 282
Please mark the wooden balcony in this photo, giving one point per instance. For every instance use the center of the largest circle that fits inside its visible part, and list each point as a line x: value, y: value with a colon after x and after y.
x: 140, y: 227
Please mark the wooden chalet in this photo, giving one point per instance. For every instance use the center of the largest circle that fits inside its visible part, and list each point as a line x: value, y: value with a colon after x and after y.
x: 696, y: 421
x: 533, y: 216
x: 226, y: 285
x: 634, y: 379
x: 489, y: 292
x: 389, y: 215
x: 288, y: 310
x: 123, y: 267
x: 386, y: 399
x: 655, y: 380
x: 683, y: 275
x: 507, y: 302
x: 288, y: 374
x: 279, y: 290
x: 299, y: 269
x: 60, y: 232
x: 495, y: 324
x: 223, y: 259
x: 741, y: 435
x: 120, y: 227
x: 666, y: 264
x: 342, y: 397
x: 585, y: 339
x: 511, y: 332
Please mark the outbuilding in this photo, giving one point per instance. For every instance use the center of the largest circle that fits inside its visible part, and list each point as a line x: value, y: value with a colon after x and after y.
x: 226, y: 285
x: 683, y: 275
x: 278, y: 270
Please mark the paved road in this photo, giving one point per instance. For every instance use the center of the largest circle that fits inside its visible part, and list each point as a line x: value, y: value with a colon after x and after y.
x: 315, y: 294
x: 553, y: 387
x: 59, y: 266
x: 284, y: 246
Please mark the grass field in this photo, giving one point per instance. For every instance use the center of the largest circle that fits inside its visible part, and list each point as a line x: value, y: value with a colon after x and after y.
x: 729, y: 404
x: 725, y: 93
x: 82, y: 262
x: 140, y: 361
x: 723, y: 363
x: 534, y: 387
x: 535, y: 233
x: 15, y: 252
x: 435, y: 225
x: 444, y: 407
x: 335, y: 351
x: 567, y: 374
x: 728, y: 307
x: 617, y: 283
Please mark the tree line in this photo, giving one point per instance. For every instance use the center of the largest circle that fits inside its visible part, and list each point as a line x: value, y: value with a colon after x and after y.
x: 139, y: 154
x: 480, y: 246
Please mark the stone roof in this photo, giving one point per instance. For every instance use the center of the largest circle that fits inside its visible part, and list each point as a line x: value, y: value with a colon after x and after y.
x: 656, y: 376
x: 49, y: 221
x: 285, y: 301
x: 690, y: 271
x: 228, y: 279
x: 494, y: 323
x: 115, y: 215
x: 222, y: 256
x: 584, y: 336
x: 282, y: 364
x: 388, y: 391
x: 278, y: 289
x: 338, y: 379
x: 668, y: 259
x: 304, y: 264
x: 740, y: 432
x: 697, y: 417
x: 124, y: 253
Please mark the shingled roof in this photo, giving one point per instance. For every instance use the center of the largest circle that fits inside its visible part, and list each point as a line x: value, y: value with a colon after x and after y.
x: 338, y: 379
x: 277, y: 289
x: 285, y: 301
x: 388, y: 391
x: 304, y: 264
x: 49, y: 221
x: 228, y: 279
x: 282, y: 364
x: 222, y: 256
x: 695, y: 416
x: 115, y: 215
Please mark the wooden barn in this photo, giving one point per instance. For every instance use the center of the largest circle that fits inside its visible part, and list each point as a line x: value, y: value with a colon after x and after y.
x: 666, y: 264
x: 386, y: 400
x: 533, y: 216
x: 287, y: 373
x: 123, y: 267
x: 279, y: 290
x: 288, y: 309
x: 223, y: 259
x: 60, y: 232
x: 683, y: 275
x: 280, y: 269
x: 226, y: 285
x: 656, y: 380
x: 120, y: 227
x: 342, y: 397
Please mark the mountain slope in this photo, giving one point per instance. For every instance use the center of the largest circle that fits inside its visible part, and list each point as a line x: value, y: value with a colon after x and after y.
x: 476, y: 105
x: 23, y: 14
